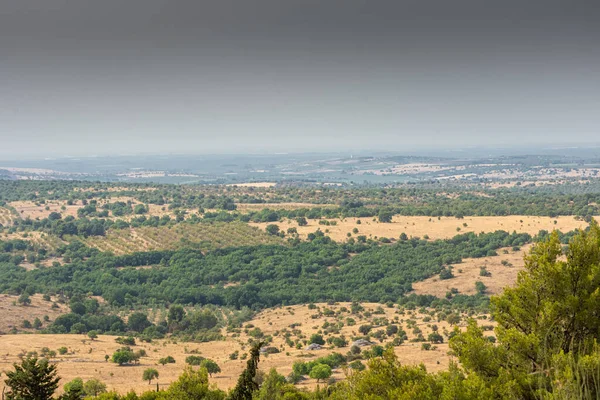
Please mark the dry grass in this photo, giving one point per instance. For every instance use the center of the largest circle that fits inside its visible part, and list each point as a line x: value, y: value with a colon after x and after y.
x: 12, y: 314
x: 501, y: 275
x: 444, y: 228
x: 86, y: 357
x: 28, y: 209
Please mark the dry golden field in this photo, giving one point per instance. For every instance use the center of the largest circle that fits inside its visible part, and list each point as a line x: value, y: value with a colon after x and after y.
x: 28, y: 209
x: 86, y: 358
x: 13, y: 314
x: 503, y: 270
x: 443, y: 228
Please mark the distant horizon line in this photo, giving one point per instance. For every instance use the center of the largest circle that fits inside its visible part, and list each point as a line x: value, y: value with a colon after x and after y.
x: 412, y: 150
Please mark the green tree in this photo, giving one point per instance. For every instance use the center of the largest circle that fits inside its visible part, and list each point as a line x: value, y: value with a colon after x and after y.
x: 94, y: 387
x: 316, y: 338
x: 547, y: 323
x: 176, y: 315
x: 272, y: 229
x: 194, y: 360
x: 138, y: 321
x: 93, y: 335
x: 273, y: 387
x: 320, y: 372
x: 301, y: 221
x: 73, y: 390
x: 123, y: 356
x: 246, y: 384
x: 166, y: 360
x: 192, y: 385
x: 211, y: 366
x: 24, y: 299
x: 33, y: 379
x: 150, y: 374
x: 385, y: 216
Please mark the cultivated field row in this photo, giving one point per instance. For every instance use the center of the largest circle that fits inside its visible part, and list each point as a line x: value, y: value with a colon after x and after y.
x: 196, y: 236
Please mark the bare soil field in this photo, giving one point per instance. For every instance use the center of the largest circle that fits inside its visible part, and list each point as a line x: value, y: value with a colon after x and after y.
x: 502, y: 272
x: 442, y: 228
x: 12, y: 314
x: 86, y: 358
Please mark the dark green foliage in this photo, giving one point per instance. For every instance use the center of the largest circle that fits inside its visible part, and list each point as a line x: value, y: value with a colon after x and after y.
x: 316, y: 338
x: 246, y: 385
x: 33, y: 379
x: 194, y: 360
x: 138, y: 322
x: 269, y: 275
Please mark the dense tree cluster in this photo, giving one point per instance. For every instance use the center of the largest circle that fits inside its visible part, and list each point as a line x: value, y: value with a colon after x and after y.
x: 265, y: 276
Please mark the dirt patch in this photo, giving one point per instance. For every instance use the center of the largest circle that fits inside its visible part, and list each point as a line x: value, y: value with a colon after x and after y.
x: 434, y: 228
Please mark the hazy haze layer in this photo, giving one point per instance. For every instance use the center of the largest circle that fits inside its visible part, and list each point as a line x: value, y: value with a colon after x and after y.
x: 92, y: 77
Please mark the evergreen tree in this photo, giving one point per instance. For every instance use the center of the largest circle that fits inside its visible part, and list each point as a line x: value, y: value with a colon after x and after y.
x: 33, y: 379
x: 246, y: 385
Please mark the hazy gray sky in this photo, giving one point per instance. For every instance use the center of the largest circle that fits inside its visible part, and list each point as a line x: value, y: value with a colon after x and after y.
x: 91, y: 77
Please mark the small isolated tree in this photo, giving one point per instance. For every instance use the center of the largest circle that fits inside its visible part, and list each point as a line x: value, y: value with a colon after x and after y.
x: 37, y: 323
x: 93, y: 335
x: 166, y: 360
x: 32, y: 379
x: 150, y: 374
x: 24, y: 299
x: 272, y: 229
x: 301, y: 221
x: 385, y: 216
x: 316, y: 338
x: 94, y: 387
x: 365, y: 329
x: 480, y: 287
x: 320, y: 372
x: 435, y: 337
x: 211, y: 366
x: 123, y: 356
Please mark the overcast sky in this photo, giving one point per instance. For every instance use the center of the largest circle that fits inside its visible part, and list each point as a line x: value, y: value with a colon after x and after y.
x: 97, y: 76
